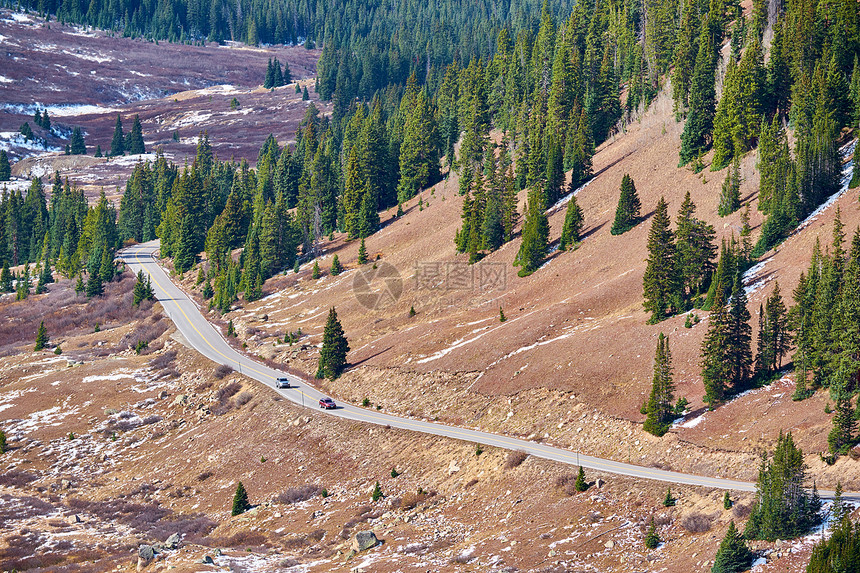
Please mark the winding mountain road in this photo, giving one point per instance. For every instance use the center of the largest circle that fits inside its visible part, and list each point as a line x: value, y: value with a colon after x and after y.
x: 203, y: 337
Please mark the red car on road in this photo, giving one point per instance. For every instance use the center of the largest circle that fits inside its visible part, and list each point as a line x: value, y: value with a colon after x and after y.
x: 328, y: 404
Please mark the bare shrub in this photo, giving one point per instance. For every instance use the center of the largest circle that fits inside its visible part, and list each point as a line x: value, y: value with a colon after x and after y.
x: 203, y: 386
x: 244, y: 398
x: 150, y: 520
x: 226, y: 392
x: 16, y: 478
x: 162, y: 361
x: 222, y: 370
x: 567, y: 483
x: 471, y: 482
x: 246, y: 539
x: 316, y: 535
x: 153, y: 419
x: 412, y: 500
x: 662, y: 519
x: 298, y: 494
x: 205, y: 475
x: 515, y: 459
x: 415, y: 548
x: 741, y: 511
x: 252, y: 331
x: 696, y: 523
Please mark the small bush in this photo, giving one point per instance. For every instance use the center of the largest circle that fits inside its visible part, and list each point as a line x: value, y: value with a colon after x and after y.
x: 222, y: 370
x: 163, y: 361
x: 299, y: 494
x: 567, y: 483
x: 226, y: 392
x: 244, y: 398
x: 205, y: 475
x: 696, y: 523
x: 413, y: 500
x: 741, y: 511
x: 515, y: 459
x: 316, y: 535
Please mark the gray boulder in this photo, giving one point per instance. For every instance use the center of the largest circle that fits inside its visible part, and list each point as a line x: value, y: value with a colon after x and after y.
x: 364, y: 540
x: 172, y: 542
x: 145, y: 555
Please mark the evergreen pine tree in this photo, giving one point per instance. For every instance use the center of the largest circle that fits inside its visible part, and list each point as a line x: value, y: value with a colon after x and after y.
x: 730, y: 196
x: 696, y: 137
x: 240, y: 500
x: 733, y: 556
x: 572, y: 225
x: 5, y: 278
x: 142, y: 289
x: 627, y: 211
x: 5, y: 168
x: 782, y: 509
x: 669, y: 501
x: 305, y: 95
x: 738, y: 349
x: 2, y: 442
x: 99, y: 151
x: 580, y: 484
x: 135, y: 138
x: 661, y: 285
x: 41, y: 337
x: 362, y: 254
x: 269, y: 82
x: 206, y: 292
x: 727, y: 501
x: 315, y: 271
x: 22, y: 288
x: 535, y: 236
x: 336, y: 267
x: 652, y: 539
x: 117, y: 144
x: 76, y: 144
x: 716, y: 371
x: 838, y: 510
x: 659, y: 413
x: 94, y: 284
x: 376, y: 494
x: 334, y: 349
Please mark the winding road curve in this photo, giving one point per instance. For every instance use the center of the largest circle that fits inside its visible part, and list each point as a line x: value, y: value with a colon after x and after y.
x: 202, y: 336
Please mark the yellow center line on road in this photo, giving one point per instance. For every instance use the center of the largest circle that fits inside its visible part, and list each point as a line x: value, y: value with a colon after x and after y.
x: 192, y: 325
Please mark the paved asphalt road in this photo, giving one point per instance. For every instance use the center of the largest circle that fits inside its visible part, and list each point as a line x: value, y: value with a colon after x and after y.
x: 208, y: 341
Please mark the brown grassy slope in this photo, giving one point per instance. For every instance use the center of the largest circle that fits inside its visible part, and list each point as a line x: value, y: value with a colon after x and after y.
x: 577, y: 324
x: 158, y: 442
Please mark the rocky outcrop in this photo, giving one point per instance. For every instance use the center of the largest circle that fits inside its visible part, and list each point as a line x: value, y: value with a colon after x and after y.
x: 364, y: 540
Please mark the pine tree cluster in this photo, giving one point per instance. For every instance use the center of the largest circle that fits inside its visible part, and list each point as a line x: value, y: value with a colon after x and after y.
x: 66, y: 235
x: 277, y: 76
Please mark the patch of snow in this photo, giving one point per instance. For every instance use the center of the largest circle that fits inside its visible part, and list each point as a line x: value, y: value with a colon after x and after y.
x: 4, y: 79
x: 20, y: 18
x: 223, y: 89
x: 89, y: 57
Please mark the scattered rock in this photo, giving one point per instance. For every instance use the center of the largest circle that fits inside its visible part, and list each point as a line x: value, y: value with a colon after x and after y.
x: 180, y: 400
x: 72, y: 519
x: 609, y: 544
x: 453, y: 467
x: 172, y: 542
x: 145, y: 554
x: 207, y: 560
x: 364, y: 540
x: 599, y: 483
x: 65, y: 484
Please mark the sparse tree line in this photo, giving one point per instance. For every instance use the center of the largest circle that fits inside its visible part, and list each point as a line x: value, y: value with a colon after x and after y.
x: 822, y: 328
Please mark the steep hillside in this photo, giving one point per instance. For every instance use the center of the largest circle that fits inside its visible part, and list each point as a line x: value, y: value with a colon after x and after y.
x: 575, y: 339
